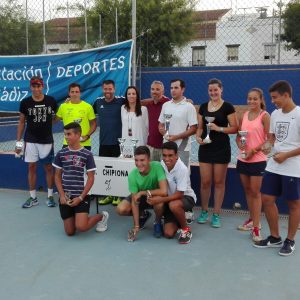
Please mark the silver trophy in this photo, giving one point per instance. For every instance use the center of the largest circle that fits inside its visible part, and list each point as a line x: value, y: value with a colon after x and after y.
x: 122, y: 142
x: 68, y: 196
x: 207, y: 139
x: 133, y: 145
x: 167, y: 118
x: 19, y: 148
x: 243, y: 134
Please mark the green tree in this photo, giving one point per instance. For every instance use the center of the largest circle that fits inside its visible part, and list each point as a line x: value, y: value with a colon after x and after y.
x: 12, y: 31
x: 291, y: 26
x: 162, y: 26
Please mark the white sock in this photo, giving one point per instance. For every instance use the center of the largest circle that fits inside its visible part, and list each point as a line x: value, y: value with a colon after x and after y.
x: 32, y: 194
x: 50, y: 192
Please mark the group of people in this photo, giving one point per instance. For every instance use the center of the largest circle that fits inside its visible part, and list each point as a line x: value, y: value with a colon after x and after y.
x: 161, y: 179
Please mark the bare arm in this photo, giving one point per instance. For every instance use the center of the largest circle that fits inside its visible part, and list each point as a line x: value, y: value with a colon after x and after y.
x: 21, y: 127
x: 232, y: 128
x: 58, y: 183
x: 93, y: 126
x: 178, y: 195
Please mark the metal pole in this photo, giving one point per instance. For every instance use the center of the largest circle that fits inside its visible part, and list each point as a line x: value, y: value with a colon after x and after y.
x: 272, y: 37
x: 117, y: 35
x: 44, y: 29
x: 133, y: 66
x: 85, y: 25
x: 100, y: 30
x: 26, y: 28
x: 68, y: 25
x: 280, y: 4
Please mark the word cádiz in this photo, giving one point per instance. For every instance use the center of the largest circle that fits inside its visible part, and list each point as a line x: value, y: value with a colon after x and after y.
x: 13, y: 94
x: 117, y: 173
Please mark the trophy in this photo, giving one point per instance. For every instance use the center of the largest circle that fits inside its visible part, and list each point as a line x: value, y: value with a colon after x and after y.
x: 19, y: 148
x: 207, y: 139
x: 68, y: 198
x: 121, y: 141
x: 167, y: 125
x: 243, y: 134
x: 133, y: 145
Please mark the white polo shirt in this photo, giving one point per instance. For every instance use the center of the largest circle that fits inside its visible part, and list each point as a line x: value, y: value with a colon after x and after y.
x: 184, y: 115
x: 179, y: 179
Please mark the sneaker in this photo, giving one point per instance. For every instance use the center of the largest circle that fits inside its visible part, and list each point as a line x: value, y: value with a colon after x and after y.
x: 30, y: 202
x: 202, y: 219
x: 50, y: 202
x: 116, y: 201
x: 255, y: 233
x: 248, y: 225
x: 157, y: 230
x: 106, y: 200
x: 288, y: 248
x: 189, y: 216
x: 215, y: 221
x: 269, y: 242
x: 102, y: 225
x: 144, y: 219
x: 185, y: 236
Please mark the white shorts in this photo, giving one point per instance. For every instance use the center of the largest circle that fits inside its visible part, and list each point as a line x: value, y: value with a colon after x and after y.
x: 35, y: 152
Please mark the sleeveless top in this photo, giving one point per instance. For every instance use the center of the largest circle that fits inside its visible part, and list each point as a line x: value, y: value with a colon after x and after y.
x: 255, y: 137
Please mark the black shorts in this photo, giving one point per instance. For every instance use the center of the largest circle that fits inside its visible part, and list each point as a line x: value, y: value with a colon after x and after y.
x: 109, y: 150
x: 251, y: 169
x: 188, y: 204
x: 143, y: 202
x: 67, y: 211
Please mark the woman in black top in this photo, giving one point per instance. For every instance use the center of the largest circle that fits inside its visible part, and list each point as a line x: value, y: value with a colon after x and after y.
x: 215, y: 156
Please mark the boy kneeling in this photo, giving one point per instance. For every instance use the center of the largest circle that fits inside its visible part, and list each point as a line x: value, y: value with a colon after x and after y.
x: 70, y: 164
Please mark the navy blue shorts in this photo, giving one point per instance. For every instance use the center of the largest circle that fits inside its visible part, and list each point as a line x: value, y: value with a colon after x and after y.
x: 280, y: 185
x: 251, y: 169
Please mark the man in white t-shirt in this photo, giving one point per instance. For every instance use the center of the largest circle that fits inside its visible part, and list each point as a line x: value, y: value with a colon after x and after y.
x: 183, y: 122
x: 181, y: 197
x: 282, y: 176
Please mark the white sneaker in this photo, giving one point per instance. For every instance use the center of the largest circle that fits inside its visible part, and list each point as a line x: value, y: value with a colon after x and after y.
x: 102, y: 225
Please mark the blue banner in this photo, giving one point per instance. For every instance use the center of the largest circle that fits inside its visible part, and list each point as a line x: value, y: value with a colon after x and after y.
x: 89, y: 68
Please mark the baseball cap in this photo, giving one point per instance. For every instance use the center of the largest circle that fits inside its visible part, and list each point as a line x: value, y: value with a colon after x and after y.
x: 36, y: 80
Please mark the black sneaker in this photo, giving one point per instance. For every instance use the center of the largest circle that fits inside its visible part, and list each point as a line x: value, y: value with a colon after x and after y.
x: 144, y: 218
x: 185, y: 236
x: 269, y: 242
x: 288, y: 248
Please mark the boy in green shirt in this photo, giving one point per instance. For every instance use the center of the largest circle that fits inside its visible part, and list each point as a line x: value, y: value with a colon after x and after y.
x: 148, y: 179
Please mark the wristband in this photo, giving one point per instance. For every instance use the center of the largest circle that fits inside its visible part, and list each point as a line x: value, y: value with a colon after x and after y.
x: 149, y: 194
x: 80, y: 197
x: 221, y: 129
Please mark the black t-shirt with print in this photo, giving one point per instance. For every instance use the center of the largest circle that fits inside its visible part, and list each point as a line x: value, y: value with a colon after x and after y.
x: 39, y: 115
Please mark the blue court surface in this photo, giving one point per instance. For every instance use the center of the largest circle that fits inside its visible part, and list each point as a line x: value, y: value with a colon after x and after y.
x: 38, y: 261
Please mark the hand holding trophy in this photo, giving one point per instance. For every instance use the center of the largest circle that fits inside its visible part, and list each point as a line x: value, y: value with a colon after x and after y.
x: 167, y: 125
x: 243, y: 134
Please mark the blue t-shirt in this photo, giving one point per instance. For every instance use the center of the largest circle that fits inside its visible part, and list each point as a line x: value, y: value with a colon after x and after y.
x: 73, y: 164
x: 109, y: 114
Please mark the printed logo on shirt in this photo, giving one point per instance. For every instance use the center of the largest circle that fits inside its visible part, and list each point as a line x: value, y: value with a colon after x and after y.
x: 281, y: 130
x: 101, y: 106
x: 175, y: 180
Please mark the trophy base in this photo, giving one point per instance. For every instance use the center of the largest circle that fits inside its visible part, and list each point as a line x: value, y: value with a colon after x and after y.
x: 207, y: 141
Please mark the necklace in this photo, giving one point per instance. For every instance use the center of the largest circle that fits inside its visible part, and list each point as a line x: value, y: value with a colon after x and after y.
x: 214, y: 107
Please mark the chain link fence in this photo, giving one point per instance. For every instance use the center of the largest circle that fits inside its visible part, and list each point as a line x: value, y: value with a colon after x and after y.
x: 211, y: 33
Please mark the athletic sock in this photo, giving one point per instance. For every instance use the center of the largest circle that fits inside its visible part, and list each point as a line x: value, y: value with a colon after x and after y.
x: 50, y: 192
x: 32, y: 194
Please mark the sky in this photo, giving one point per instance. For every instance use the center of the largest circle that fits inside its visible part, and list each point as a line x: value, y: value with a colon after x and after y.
x: 35, y: 7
